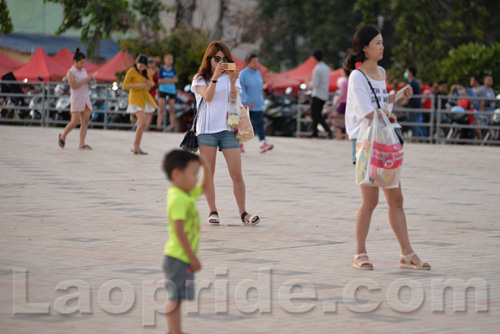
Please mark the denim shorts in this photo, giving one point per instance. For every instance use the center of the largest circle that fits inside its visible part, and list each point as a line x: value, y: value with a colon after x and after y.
x: 223, y: 140
x: 180, y: 279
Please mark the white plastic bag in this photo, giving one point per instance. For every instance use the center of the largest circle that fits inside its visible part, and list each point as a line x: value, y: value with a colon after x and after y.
x: 379, y: 154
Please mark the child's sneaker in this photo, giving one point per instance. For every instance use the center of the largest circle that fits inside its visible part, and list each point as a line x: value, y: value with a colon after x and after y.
x: 266, y: 147
x: 242, y: 149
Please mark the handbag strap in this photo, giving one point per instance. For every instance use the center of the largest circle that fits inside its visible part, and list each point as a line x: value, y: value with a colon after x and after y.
x: 371, y: 87
x: 193, y: 127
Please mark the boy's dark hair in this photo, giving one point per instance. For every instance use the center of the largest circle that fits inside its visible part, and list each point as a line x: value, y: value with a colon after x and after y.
x: 318, y: 54
x: 413, y: 70
x: 177, y: 159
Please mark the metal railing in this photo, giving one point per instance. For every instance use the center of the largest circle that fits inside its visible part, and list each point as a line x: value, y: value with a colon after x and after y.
x: 441, y: 126
x: 40, y: 105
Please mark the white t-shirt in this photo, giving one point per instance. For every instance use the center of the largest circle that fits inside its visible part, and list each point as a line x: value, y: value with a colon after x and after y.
x: 212, y: 116
x: 361, y: 102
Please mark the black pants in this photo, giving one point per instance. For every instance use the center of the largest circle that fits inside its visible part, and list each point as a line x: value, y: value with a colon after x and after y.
x: 316, y: 109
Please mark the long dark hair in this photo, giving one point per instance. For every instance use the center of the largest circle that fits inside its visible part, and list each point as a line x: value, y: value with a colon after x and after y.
x: 142, y: 59
x: 205, y: 70
x: 78, y: 55
x: 362, y: 38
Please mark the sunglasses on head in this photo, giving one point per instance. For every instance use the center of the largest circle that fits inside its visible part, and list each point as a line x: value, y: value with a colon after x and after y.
x: 218, y: 59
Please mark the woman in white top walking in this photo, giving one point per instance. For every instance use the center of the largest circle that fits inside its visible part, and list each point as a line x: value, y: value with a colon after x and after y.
x: 368, y: 48
x: 80, y: 100
x: 214, y: 89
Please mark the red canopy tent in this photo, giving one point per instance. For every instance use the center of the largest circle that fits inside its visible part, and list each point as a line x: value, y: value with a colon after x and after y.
x: 334, y: 77
x: 119, y: 63
x: 41, y: 65
x: 304, y: 72
x: 65, y: 58
x: 8, y: 64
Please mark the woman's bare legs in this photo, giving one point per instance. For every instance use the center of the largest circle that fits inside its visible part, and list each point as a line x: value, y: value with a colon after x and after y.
x: 233, y: 160
x: 84, y: 119
x: 161, y: 109
x: 397, y: 218
x: 209, y: 154
x: 141, y: 125
x: 75, y: 119
x: 149, y: 119
x: 369, y: 201
x: 171, y: 112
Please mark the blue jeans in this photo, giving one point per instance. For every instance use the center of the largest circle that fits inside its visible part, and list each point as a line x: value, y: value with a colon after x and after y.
x: 257, y: 118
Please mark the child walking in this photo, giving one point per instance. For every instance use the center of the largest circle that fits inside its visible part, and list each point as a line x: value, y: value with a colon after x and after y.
x: 181, y: 259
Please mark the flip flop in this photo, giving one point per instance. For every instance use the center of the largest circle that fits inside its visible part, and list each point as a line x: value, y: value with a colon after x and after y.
x: 61, y: 142
x: 85, y: 147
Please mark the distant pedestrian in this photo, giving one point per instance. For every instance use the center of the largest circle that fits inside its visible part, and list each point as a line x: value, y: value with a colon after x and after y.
x: 414, y: 103
x: 168, y: 92
x: 339, y: 120
x: 252, y: 96
x: 140, y: 102
x: 153, y: 71
x: 320, y: 87
x: 81, y: 106
x: 368, y: 48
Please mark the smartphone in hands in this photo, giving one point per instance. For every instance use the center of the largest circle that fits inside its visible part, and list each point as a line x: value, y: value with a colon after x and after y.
x: 229, y: 66
x: 401, y: 93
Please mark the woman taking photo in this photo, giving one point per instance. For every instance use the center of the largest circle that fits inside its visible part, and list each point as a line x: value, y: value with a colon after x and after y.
x: 80, y: 100
x: 139, y: 81
x: 368, y: 49
x: 214, y: 89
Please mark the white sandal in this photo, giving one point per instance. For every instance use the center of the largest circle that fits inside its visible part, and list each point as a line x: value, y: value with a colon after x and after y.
x: 408, y: 265
x: 357, y: 265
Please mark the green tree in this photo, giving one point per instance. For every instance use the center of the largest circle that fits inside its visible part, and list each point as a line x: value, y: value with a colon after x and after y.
x: 423, y: 31
x: 5, y: 21
x: 471, y: 59
x: 185, y: 44
x: 292, y: 29
x: 99, y: 19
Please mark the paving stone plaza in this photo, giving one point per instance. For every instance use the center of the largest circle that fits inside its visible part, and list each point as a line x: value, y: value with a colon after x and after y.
x: 82, y: 236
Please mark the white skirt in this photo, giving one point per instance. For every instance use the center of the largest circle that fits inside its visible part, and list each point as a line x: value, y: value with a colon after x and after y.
x: 132, y: 108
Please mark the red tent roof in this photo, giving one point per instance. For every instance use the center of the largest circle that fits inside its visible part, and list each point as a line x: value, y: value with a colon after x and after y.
x: 65, y: 58
x: 303, y: 72
x: 121, y: 62
x: 280, y: 82
x: 334, y: 77
x: 41, y: 65
x: 8, y: 64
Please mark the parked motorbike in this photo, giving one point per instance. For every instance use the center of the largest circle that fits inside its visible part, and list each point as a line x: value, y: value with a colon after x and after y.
x: 280, y: 114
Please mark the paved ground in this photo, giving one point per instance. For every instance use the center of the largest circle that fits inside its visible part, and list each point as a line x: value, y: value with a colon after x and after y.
x: 82, y: 233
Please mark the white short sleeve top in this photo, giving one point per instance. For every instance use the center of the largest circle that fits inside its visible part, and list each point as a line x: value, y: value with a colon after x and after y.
x: 361, y: 101
x: 212, y: 116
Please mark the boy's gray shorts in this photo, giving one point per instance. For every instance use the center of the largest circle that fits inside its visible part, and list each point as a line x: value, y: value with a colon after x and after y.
x: 180, y: 279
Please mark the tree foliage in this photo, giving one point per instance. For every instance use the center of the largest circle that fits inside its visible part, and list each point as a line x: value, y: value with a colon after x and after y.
x: 292, y: 29
x: 5, y: 21
x: 186, y: 44
x: 424, y: 30
x: 99, y: 19
x: 471, y: 59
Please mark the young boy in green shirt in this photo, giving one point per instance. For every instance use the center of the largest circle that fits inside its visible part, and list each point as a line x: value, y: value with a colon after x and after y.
x: 181, y: 249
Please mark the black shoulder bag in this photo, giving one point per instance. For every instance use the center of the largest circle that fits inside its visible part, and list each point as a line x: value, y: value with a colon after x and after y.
x: 190, y: 142
x: 398, y: 131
